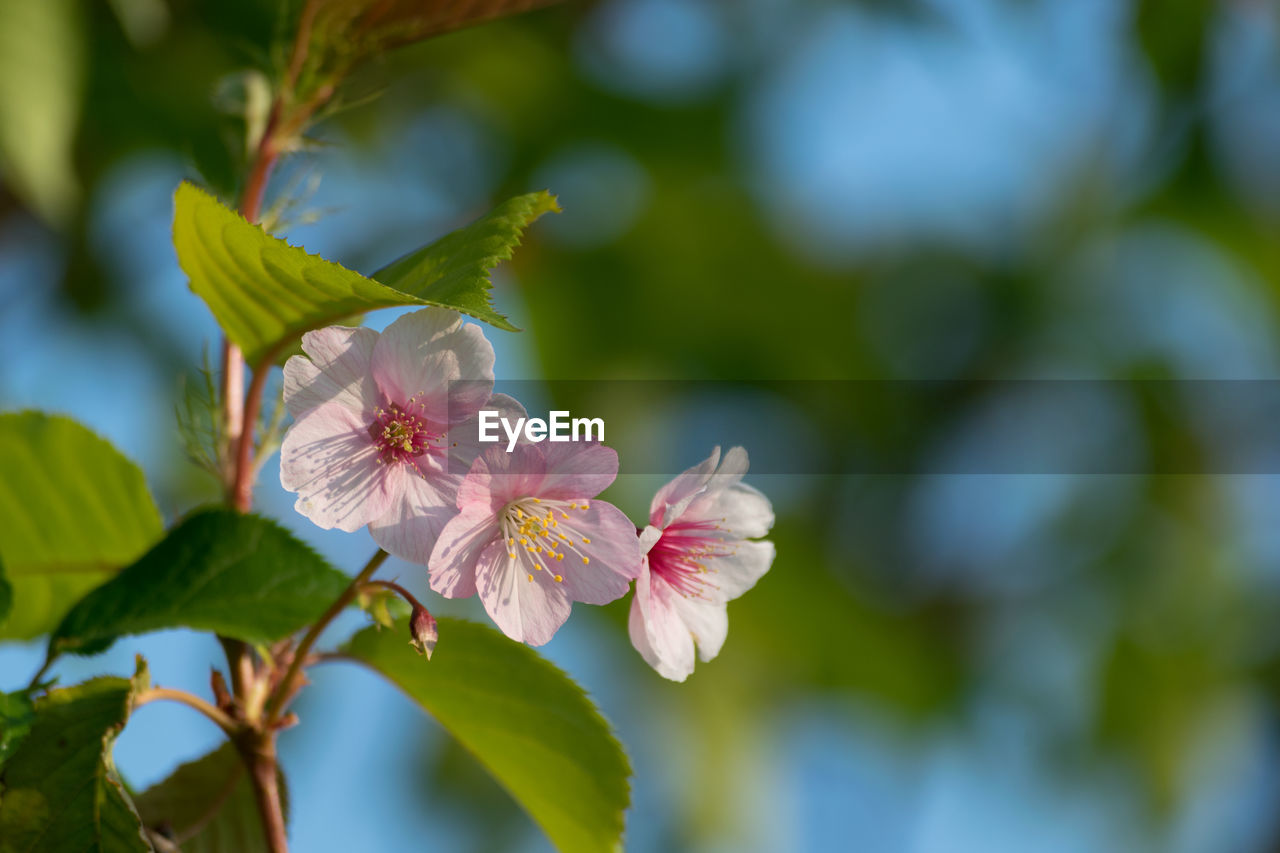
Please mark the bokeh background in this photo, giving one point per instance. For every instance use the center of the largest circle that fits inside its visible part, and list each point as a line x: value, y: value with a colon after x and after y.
x: 756, y: 189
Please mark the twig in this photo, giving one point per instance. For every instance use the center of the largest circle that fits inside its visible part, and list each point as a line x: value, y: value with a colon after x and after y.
x: 287, y: 688
x: 153, y: 694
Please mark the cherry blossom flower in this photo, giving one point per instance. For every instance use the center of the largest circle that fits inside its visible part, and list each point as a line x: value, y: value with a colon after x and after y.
x: 530, y: 538
x: 698, y: 557
x: 382, y: 429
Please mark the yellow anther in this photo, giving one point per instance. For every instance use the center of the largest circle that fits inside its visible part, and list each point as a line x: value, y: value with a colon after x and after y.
x: 559, y: 578
x: 559, y: 556
x: 531, y: 578
x: 586, y: 540
x: 586, y: 560
x: 511, y: 554
x: 537, y: 500
x: 564, y: 515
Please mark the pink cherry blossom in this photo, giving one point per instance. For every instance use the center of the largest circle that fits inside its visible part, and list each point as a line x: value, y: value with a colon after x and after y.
x: 531, y: 540
x: 698, y: 556
x: 380, y: 434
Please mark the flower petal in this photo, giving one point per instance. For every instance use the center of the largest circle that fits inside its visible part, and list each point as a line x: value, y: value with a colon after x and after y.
x: 410, y: 529
x: 613, y: 554
x: 741, y: 511
x: 736, y: 573
x: 496, y: 477
x: 657, y: 631
x: 457, y: 551
x: 526, y: 604
x: 672, y: 498
x: 577, y: 469
x: 337, y: 370
x: 707, y: 621
x: 463, y: 440
x: 424, y: 354
x: 328, y: 458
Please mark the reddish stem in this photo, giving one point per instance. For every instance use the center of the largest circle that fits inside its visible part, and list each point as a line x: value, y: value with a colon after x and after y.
x: 259, y: 754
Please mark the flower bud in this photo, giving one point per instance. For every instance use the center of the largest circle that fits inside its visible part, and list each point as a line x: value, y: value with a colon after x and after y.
x: 422, y: 631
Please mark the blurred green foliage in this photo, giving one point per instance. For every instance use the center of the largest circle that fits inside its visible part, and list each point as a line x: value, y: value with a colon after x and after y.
x: 700, y: 285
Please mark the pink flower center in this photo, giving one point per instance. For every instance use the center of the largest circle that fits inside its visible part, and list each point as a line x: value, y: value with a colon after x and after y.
x: 679, y: 555
x: 400, y: 434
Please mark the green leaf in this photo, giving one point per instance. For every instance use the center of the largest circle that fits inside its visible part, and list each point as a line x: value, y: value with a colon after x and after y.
x: 41, y: 82
x: 242, y: 576
x: 59, y: 791
x: 208, y: 806
x: 265, y: 293
x: 16, y: 716
x: 454, y: 270
x: 523, y: 719
x: 75, y: 511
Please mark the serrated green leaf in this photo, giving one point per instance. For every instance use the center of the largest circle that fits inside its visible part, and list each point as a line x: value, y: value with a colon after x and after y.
x: 74, y: 511
x: 241, y: 576
x: 58, y: 791
x: 454, y: 270
x: 208, y: 806
x: 266, y: 293
x: 523, y: 719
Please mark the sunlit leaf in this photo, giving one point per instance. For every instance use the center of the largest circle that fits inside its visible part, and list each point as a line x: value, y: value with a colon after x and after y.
x: 454, y: 270
x: 241, y: 576
x: 265, y: 293
x: 523, y: 719
x: 74, y: 510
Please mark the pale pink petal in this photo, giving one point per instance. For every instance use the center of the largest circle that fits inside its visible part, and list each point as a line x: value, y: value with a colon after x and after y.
x: 707, y: 621
x: 733, y: 467
x: 739, y: 511
x: 732, y: 575
x: 672, y: 498
x: 410, y: 529
x: 423, y: 354
x: 463, y: 440
x: 526, y: 604
x: 497, y: 477
x: 337, y: 370
x: 612, y: 554
x: 457, y: 553
x: 657, y: 631
x: 576, y: 469
x: 330, y: 461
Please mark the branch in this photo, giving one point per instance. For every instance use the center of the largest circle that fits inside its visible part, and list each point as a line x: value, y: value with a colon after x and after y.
x: 154, y: 694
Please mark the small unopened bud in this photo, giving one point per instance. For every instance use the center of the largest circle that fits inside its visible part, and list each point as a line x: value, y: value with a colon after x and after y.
x: 422, y: 631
